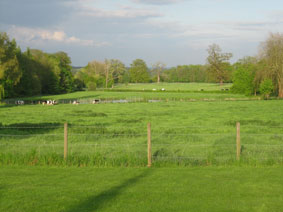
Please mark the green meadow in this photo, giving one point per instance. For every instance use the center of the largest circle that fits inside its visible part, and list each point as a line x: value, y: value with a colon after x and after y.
x: 194, y: 165
x: 115, y: 134
x: 147, y: 92
x: 174, y: 86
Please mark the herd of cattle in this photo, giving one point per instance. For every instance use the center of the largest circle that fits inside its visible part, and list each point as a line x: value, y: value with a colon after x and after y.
x: 54, y: 102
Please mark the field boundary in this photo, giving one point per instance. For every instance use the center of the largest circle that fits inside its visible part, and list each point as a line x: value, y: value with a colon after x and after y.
x: 147, y: 154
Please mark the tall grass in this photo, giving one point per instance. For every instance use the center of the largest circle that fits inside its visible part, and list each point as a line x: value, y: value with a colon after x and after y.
x: 183, y: 133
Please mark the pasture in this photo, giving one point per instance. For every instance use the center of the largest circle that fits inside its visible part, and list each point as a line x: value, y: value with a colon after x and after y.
x: 145, y: 93
x: 194, y: 165
x: 183, y: 133
x: 174, y: 86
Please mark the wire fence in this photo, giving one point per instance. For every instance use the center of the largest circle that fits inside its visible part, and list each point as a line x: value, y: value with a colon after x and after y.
x: 139, y: 146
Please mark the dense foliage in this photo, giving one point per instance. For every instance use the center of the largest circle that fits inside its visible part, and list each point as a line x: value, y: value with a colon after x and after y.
x: 33, y: 72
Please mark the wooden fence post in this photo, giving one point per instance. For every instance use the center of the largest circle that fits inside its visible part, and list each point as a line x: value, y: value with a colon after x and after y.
x: 148, y: 145
x: 65, y: 140
x: 238, y: 141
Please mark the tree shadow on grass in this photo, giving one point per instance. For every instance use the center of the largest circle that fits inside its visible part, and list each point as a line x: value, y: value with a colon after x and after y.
x: 20, y: 131
x: 29, y: 128
x: 2, y: 187
x: 96, y: 202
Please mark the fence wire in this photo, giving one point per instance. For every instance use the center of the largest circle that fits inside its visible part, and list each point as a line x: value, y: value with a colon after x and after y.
x: 167, y: 145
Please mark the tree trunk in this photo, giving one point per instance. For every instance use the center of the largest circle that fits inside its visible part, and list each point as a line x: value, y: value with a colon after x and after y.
x: 221, y: 82
x: 158, y: 77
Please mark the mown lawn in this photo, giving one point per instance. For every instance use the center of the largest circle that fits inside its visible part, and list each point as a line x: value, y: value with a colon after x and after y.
x: 141, y: 189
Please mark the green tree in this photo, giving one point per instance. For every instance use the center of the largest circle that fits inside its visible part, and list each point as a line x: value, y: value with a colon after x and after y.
x: 157, y: 69
x: 29, y: 83
x: 218, y: 63
x: 243, y: 80
x: 47, y: 70
x: 266, y: 88
x: 10, y: 73
x: 93, y: 73
x: 118, y: 71
x: 139, y: 71
x: 245, y: 76
x: 272, y: 50
x: 66, y: 77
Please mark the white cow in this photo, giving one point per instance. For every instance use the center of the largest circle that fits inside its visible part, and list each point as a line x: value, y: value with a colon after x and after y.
x: 19, y: 102
x: 76, y: 102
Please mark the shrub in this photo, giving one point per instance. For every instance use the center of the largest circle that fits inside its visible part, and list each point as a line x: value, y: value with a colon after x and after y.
x: 91, y: 86
x: 266, y: 87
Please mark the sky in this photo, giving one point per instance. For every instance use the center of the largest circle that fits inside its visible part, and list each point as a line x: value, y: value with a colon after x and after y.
x: 175, y: 32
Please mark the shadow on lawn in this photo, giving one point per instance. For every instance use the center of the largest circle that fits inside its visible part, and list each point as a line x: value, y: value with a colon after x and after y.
x: 96, y: 202
x: 29, y: 128
x: 1, y: 191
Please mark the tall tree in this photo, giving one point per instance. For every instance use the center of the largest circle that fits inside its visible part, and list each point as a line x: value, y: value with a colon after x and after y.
x: 139, y: 71
x: 157, y: 68
x: 10, y: 72
x: 272, y: 50
x: 218, y: 63
x: 66, y: 76
x: 29, y: 83
x: 118, y: 70
x: 93, y: 75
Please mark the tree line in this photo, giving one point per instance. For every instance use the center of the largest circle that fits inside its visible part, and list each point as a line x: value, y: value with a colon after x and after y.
x: 35, y: 72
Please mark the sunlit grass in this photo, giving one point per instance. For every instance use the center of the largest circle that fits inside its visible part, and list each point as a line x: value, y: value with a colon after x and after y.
x: 183, y: 133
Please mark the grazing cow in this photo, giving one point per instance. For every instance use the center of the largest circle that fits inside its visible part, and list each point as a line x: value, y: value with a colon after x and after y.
x: 163, y: 89
x: 76, y: 102
x: 50, y: 102
x: 154, y: 89
x: 96, y: 101
x: 19, y: 102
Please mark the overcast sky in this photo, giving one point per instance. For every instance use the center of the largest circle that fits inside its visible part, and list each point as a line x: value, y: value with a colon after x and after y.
x: 175, y: 32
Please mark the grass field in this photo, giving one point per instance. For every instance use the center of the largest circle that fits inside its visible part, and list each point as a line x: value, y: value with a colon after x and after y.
x: 197, y: 189
x: 183, y: 133
x: 193, y: 152
x: 145, y: 93
x: 174, y: 86
x: 88, y: 96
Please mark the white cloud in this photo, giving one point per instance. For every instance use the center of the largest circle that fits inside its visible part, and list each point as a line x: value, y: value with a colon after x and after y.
x: 36, y: 36
x: 158, y: 2
x: 122, y: 12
